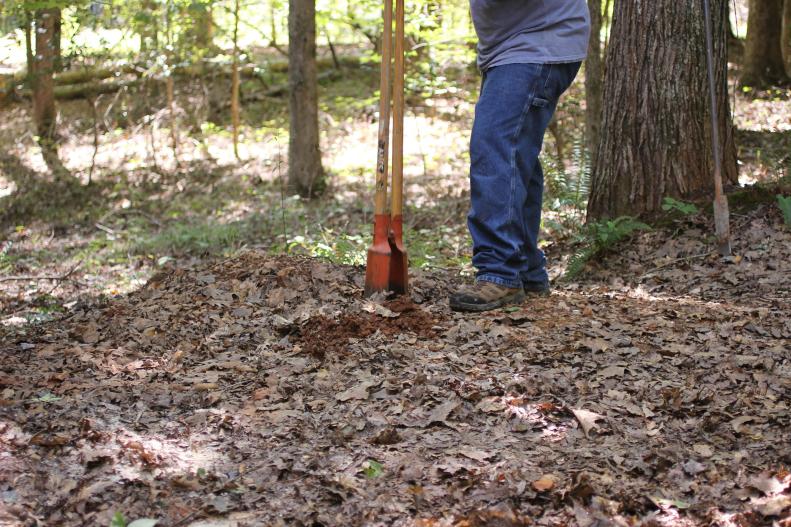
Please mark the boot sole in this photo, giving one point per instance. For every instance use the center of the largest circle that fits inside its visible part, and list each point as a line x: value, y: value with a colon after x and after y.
x: 516, y: 298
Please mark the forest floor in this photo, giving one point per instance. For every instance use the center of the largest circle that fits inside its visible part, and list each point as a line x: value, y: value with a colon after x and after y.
x: 263, y: 390
x: 169, y: 352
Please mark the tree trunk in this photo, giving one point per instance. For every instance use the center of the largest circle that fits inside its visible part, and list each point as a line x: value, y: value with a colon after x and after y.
x: 763, y: 58
x: 202, y: 30
x: 44, y: 112
x: 235, y: 81
x: 594, y: 77
x: 57, y: 59
x: 656, y: 138
x: 786, y: 44
x: 305, y: 173
x: 29, y: 56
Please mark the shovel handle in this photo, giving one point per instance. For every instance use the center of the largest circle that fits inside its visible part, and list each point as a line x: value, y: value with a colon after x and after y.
x: 397, y: 205
x: 383, y: 143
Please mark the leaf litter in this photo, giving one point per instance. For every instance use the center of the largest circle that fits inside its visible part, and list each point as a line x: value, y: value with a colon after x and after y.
x: 264, y: 390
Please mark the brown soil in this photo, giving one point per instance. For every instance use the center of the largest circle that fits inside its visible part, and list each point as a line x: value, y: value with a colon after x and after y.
x: 322, y: 336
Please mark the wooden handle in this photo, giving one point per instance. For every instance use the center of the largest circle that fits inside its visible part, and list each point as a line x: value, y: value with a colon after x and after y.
x: 397, y: 205
x: 383, y: 143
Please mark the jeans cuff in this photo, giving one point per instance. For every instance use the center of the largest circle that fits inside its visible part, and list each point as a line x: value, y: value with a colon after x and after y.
x: 513, y: 284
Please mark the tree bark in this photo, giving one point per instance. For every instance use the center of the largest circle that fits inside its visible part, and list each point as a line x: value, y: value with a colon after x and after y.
x: 305, y: 173
x: 201, y: 33
x: 786, y: 43
x: 235, y: 81
x: 30, y: 58
x: 763, y: 56
x: 44, y: 111
x: 594, y: 77
x: 656, y: 137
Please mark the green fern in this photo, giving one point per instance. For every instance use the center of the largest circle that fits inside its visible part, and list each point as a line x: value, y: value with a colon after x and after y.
x: 601, y: 237
x: 785, y: 207
x: 687, y: 209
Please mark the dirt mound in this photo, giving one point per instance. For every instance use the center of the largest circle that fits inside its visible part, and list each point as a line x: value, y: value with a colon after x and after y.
x: 322, y: 336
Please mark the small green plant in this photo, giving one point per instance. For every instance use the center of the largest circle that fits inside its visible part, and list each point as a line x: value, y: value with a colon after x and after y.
x: 785, y: 207
x: 372, y: 469
x: 673, y: 205
x: 600, y: 237
x: 118, y: 520
x: 47, y: 398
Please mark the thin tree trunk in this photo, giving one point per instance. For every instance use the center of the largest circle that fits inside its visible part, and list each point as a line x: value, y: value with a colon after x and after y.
x: 594, y: 78
x: 273, y: 25
x: 57, y: 60
x: 305, y: 173
x: 44, y: 111
x: 174, y: 130
x: 170, y: 89
x: 655, y: 136
x: 201, y: 33
x: 763, y: 56
x: 31, y: 65
x: 786, y: 44
x: 235, y: 81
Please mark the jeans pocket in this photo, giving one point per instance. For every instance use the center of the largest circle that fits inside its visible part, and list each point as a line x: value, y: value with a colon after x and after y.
x: 539, y: 102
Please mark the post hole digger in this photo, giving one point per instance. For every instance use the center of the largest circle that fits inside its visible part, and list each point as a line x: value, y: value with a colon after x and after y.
x: 387, y: 265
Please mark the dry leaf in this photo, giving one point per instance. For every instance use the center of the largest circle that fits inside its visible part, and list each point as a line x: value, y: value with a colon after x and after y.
x: 545, y: 483
x: 358, y: 391
x: 477, y: 455
x: 703, y: 450
x: 587, y: 419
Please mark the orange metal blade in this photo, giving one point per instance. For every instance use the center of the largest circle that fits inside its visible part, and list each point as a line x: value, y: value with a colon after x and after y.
x: 399, y: 261
x: 377, y: 269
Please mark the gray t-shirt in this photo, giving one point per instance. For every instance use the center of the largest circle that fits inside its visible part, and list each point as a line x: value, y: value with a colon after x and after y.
x: 530, y: 31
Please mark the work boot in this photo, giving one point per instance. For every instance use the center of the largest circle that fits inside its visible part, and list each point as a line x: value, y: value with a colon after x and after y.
x: 536, y: 288
x: 485, y: 296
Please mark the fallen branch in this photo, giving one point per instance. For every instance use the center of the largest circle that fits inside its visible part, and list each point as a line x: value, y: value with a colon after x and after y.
x: 60, y: 278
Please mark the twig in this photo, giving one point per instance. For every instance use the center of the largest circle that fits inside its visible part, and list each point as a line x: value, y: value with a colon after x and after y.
x: 47, y: 277
x: 187, y: 518
x: 95, y: 139
x: 108, y: 230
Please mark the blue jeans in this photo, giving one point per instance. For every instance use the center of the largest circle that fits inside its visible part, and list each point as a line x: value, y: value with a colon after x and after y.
x: 506, y: 180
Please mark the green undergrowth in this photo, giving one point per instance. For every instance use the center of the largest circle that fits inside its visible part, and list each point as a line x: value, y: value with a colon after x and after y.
x: 599, y: 237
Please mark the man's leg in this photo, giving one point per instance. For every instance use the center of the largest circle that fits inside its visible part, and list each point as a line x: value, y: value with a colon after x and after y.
x: 516, y: 104
x: 534, y: 275
x: 498, y: 189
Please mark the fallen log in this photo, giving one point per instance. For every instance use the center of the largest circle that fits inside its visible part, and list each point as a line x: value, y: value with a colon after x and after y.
x: 75, y: 84
x: 86, y: 89
x: 83, y: 75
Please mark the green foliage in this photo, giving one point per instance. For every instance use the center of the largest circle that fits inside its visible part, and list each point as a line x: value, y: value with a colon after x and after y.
x: 47, y: 398
x: 118, y: 520
x: 784, y: 203
x: 673, y: 205
x: 184, y: 238
x: 336, y: 248
x: 372, y: 469
x: 601, y: 237
x: 567, y: 192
